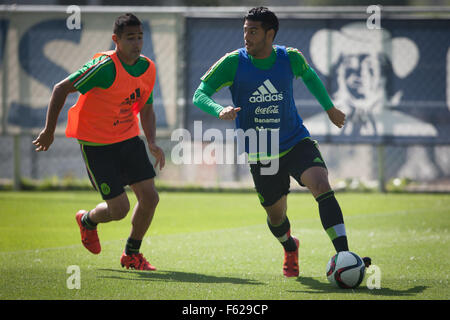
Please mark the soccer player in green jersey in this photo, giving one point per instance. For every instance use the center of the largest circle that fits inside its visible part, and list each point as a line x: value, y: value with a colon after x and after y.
x: 260, y: 77
x: 115, y: 87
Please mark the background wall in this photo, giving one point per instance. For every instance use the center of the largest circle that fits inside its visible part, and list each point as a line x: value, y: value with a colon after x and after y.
x: 393, y: 83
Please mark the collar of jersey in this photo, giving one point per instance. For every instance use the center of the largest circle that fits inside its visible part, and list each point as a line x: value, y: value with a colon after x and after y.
x: 136, y: 69
x: 266, y: 63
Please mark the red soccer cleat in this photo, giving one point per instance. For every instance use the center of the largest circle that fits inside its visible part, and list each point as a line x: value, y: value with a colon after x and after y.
x: 89, y: 237
x: 290, y: 265
x: 135, y: 261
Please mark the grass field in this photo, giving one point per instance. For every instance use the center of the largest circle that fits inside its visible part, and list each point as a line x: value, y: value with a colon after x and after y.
x: 211, y: 246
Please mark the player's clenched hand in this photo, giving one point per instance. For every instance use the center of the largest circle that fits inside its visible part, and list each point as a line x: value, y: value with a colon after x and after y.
x: 158, y: 153
x: 229, y: 113
x: 43, y: 141
x: 336, y: 116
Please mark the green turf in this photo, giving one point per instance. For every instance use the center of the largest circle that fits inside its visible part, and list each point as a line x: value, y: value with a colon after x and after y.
x: 217, y: 246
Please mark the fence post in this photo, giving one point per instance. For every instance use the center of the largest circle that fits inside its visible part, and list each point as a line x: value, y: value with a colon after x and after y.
x: 381, y: 167
x: 17, y: 177
x: 236, y: 167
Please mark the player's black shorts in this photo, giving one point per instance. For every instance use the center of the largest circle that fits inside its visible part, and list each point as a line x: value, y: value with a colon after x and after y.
x: 271, y: 188
x: 113, y: 166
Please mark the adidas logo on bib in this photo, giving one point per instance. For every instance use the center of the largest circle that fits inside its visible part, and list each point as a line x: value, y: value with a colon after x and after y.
x: 266, y: 93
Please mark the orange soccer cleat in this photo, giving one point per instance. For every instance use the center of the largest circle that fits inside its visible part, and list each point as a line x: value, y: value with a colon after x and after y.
x: 290, y: 264
x: 89, y: 237
x: 135, y: 261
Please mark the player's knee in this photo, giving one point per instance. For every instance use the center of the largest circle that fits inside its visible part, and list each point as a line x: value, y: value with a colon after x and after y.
x: 149, y: 200
x: 118, y: 211
x: 319, y: 186
x: 152, y: 200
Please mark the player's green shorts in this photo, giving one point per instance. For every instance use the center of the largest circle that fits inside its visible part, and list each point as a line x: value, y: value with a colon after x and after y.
x: 111, y: 167
x: 271, y: 188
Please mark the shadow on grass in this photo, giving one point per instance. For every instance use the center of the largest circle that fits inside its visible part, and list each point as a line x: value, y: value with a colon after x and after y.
x: 321, y: 287
x: 174, y: 276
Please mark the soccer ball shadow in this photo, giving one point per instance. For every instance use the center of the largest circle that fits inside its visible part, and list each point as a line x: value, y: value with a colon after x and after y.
x: 315, y: 286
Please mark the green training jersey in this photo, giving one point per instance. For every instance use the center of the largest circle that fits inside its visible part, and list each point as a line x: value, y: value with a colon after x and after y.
x: 221, y: 74
x: 101, y: 72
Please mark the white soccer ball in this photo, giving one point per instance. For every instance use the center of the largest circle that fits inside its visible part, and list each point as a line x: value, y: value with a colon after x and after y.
x: 346, y: 270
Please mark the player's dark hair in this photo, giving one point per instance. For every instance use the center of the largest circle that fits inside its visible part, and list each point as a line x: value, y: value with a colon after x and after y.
x: 267, y: 18
x: 125, y: 20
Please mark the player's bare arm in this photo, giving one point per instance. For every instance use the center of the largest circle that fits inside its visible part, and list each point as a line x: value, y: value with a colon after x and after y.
x: 60, y: 92
x: 336, y: 116
x: 148, y: 122
x: 229, y: 113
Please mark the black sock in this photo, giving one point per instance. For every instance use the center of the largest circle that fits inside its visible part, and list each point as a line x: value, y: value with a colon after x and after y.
x: 332, y: 220
x: 87, y: 222
x: 283, y: 233
x: 132, y: 246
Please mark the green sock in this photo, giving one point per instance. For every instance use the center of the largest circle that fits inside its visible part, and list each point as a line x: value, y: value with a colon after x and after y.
x: 87, y: 222
x: 332, y: 220
x: 283, y: 233
x: 133, y: 246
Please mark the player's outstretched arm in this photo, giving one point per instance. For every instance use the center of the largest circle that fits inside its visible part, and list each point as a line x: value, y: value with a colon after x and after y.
x: 203, y: 100
x: 60, y: 92
x: 316, y: 87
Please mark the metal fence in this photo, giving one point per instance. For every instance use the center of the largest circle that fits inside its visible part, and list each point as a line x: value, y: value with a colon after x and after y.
x: 393, y: 82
